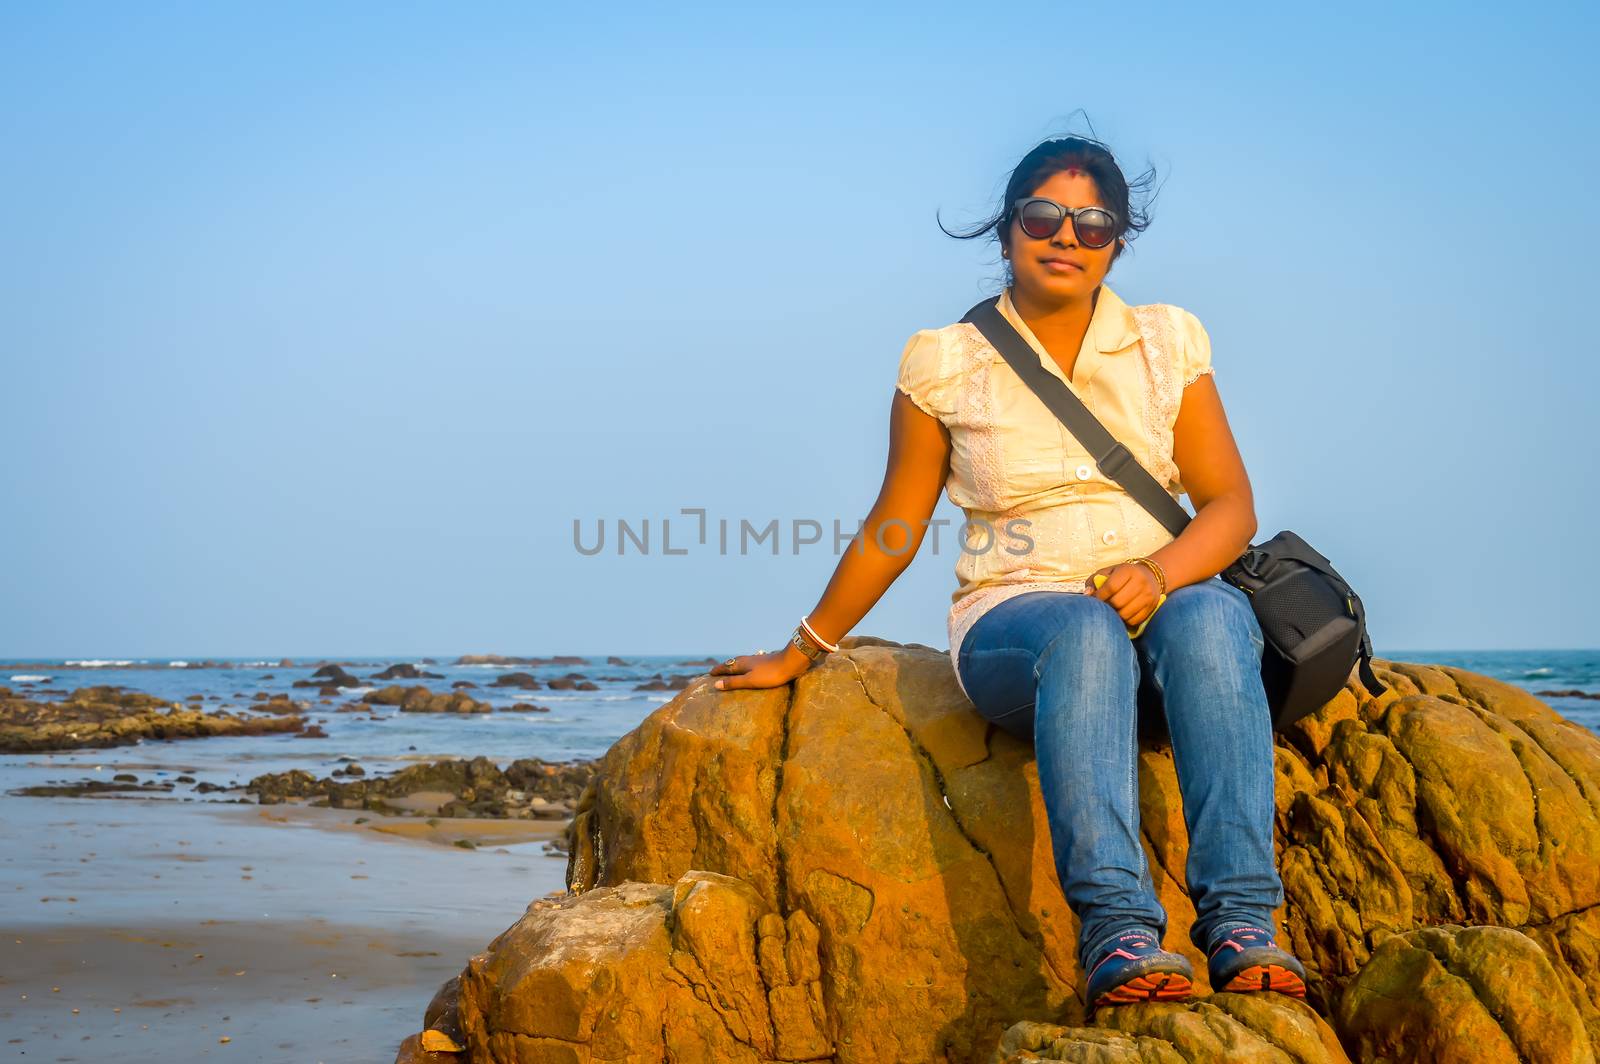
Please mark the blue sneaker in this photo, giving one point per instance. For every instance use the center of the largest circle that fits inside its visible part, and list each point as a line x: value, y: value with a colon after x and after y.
x: 1134, y: 967
x: 1246, y: 958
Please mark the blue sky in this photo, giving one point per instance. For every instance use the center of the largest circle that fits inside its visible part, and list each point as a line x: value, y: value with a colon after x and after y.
x: 321, y: 324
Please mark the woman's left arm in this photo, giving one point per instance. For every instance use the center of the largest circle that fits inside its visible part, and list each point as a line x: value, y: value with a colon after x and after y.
x: 1213, y: 474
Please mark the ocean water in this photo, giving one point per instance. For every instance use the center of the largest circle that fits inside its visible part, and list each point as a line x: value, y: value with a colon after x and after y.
x: 579, y: 724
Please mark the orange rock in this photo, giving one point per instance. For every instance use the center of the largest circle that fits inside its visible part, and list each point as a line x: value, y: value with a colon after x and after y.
x: 412, y: 1052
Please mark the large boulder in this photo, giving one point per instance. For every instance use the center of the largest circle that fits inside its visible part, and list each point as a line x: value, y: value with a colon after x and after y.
x: 857, y: 867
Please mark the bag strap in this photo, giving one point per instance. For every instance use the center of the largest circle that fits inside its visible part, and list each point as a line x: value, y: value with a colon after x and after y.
x: 1369, y: 679
x: 1114, y: 460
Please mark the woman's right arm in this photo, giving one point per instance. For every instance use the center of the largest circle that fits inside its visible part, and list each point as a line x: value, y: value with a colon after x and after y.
x: 919, y: 462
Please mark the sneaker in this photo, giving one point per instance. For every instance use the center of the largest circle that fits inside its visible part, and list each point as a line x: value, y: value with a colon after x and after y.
x: 1134, y: 967
x: 1246, y: 958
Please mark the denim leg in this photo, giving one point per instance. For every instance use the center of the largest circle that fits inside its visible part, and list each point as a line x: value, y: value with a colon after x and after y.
x: 1204, y: 647
x: 1059, y: 668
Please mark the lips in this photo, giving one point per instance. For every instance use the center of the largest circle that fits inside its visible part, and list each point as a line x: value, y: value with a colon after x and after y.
x: 1062, y: 264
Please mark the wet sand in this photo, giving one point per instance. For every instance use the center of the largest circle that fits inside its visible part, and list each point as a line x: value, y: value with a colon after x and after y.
x: 291, y: 931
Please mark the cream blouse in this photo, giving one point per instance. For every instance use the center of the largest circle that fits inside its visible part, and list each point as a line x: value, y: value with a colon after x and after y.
x: 1011, y: 458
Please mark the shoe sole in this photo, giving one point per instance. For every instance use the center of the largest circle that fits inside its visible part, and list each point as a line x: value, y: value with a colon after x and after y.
x: 1157, y: 986
x: 1273, y: 977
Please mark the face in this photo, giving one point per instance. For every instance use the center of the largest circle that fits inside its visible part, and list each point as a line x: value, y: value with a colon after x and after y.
x: 1079, y: 270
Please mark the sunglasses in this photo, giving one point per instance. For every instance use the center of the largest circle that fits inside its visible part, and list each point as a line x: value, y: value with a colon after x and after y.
x: 1041, y: 218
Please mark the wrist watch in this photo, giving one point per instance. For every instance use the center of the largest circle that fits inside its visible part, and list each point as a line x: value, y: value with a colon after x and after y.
x: 803, y: 643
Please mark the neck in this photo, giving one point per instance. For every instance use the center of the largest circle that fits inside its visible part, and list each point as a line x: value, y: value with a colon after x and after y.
x: 1059, y: 325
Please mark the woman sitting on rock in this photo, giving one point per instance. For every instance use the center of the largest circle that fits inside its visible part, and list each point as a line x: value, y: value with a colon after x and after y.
x: 1059, y: 620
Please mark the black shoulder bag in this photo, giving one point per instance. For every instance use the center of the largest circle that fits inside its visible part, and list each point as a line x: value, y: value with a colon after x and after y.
x: 1314, y: 625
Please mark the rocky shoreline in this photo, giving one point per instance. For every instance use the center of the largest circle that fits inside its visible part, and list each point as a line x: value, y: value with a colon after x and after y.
x: 527, y: 789
x: 468, y: 788
x: 476, y: 788
x: 107, y: 716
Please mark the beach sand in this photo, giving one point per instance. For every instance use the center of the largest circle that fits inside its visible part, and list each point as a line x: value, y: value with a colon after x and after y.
x: 291, y: 931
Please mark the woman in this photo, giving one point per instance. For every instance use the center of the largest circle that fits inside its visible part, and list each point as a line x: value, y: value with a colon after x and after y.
x: 1060, y: 616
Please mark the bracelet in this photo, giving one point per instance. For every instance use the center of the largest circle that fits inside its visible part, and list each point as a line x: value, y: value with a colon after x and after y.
x: 821, y: 642
x: 802, y: 642
x: 1155, y: 567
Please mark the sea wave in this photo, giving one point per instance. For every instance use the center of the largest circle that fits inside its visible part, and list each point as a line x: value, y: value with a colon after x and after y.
x: 95, y: 663
x: 27, y: 678
x: 1542, y: 671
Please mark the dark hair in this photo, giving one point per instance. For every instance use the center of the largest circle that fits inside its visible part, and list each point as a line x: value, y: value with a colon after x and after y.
x: 1066, y: 153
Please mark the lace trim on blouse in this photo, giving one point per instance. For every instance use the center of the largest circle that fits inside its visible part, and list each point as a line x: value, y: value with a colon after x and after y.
x: 974, y: 407
x: 1162, y: 395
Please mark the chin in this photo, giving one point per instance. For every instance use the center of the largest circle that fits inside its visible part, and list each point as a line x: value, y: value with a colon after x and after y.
x: 1063, y: 284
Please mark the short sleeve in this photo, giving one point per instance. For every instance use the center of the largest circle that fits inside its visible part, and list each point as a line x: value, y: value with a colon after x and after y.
x: 1194, y: 347
x: 921, y: 374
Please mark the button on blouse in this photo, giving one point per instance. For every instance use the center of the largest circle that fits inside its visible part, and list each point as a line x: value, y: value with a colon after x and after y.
x: 1040, y: 516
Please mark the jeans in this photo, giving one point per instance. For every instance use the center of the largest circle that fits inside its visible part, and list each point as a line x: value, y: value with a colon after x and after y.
x: 1058, y: 668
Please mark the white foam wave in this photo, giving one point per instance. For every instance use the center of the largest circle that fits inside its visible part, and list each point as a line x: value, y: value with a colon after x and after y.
x: 1543, y: 671
x: 97, y: 664
x: 177, y: 664
x: 26, y: 678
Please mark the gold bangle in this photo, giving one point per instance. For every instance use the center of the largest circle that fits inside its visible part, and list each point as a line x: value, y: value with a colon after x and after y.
x: 1160, y: 574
